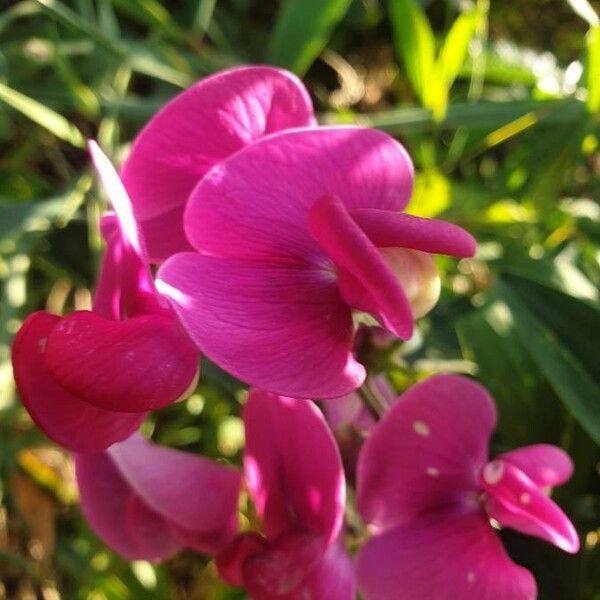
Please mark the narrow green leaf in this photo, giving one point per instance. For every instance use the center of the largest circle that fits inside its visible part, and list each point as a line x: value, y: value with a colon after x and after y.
x: 69, y: 17
x: 488, y: 337
x: 451, y: 58
x: 473, y: 115
x: 568, y: 377
x: 454, y: 49
x: 414, y: 42
x: 145, y: 62
x: 42, y: 115
x: 151, y: 13
x: 302, y: 30
x: 593, y: 68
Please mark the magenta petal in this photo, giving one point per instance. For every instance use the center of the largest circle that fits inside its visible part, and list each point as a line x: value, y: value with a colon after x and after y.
x: 280, y: 571
x: 279, y: 327
x: 117, y: 515
x: 120, y: 201
x: 231, y: 558
x: 366, y: 280
x: 436, y: 435
x: 64, y: 417
x: 544, y: 464
x: 293, y: 467
x: 332, y: 577
x: 125, y: 287
x: 130, y: 366
x: 198, y: 129
x: 442, y: 554
x: 197, y: 496
x: 255, y: 204
x: 392, y: 229
x: 515, y: 501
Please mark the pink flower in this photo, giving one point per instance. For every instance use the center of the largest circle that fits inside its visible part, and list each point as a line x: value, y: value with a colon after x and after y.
x: 294, y: 476
x: 291, y: 234
x: 350, y: 411
x: 148, y: 502
x: 431, y: 499
x: 89, y: 378
x: 198, y: 130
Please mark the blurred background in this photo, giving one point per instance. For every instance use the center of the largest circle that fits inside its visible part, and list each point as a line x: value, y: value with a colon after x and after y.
x: 498, y: 102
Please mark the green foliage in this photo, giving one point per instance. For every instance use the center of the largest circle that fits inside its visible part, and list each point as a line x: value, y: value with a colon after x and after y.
x: 499, y: 110
x: 302, y: 30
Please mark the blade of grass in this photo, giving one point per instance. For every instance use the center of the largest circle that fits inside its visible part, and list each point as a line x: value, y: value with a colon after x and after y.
x: 593, y: 69
x: 302, y: 30
x: 42, y: 115
x: 414, y: 43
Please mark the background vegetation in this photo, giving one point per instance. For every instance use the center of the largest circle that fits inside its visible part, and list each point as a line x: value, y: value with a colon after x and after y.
x: 497, y: 101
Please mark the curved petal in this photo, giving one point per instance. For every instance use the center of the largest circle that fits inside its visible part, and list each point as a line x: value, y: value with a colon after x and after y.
x: 120, y: 201
x: 332, y: 577
x: 348, y: 411
x: 247, y: 208
x: 196, y: 495
x: 544, y: 464
x: 117, y: 515
x: 279, y: 572
x: 515, y: 501
x: 135, y: 365
x: 293, y: 467
x: 64, y: 417
x: 391, y: 229
x: 443, y: 554
x: 198, y: 129
x: 283, y: 328
x: 231, y: 558
x: 436, y: 436
x: 125, y: 287
x: 366, y: 280
x: 297, y: 571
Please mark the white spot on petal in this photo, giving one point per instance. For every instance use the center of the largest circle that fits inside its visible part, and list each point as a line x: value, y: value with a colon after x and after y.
x: 432, y: 472
x: 421, y: 428
x: 493, y: 472
x: 525, y: 498
x: 471, y: 577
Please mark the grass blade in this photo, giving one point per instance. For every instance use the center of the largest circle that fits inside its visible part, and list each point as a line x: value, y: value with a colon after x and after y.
x: 302, y: 31
x: 42, y: 115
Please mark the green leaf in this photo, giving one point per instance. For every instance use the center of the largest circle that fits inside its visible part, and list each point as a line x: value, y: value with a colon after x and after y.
x: 474, y: 115
x: 42, y: 115
x: 527, y: 412
x: 69, y: 17
x: 593, y: 69
x: 452, y: 56
x: 302, y: 30
x: 414, y: 43
x: 560, y: 364
x: 455, y: 46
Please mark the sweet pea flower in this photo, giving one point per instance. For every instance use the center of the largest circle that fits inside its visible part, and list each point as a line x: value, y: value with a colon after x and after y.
x: 88, y: 379
x: 350, y: 412
x: 148, y: 502
x: 197, y: 130
x: 430, y: 500
x: 295, y: 478
x: 291, y: 234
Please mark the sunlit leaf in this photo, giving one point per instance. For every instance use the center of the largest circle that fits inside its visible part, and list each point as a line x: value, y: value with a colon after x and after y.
x: 562, y: 365
x: 301, y: 31
x: 593, y: 46
x: 42, y: 115
x: 414, y: 42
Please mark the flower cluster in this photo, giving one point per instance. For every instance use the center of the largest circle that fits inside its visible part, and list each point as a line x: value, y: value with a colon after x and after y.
x: 242, y: 230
